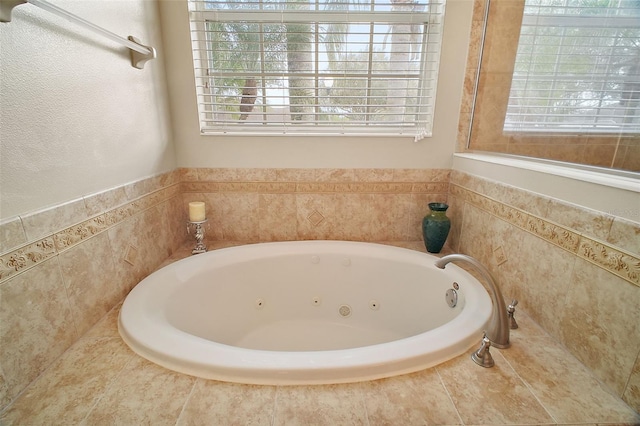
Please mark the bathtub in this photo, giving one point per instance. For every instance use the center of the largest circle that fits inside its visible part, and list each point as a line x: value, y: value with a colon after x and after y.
x: 304, y: 312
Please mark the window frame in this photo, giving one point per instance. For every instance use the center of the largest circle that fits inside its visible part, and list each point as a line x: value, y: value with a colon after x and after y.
x: 417, y: 129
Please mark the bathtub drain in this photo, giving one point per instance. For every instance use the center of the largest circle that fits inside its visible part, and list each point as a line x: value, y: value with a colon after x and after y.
x: 344, y: 310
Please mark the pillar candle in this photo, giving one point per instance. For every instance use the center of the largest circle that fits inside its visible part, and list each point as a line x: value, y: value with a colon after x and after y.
x: 196, y: 211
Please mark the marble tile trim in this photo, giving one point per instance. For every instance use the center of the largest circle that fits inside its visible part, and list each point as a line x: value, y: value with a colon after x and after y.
x: 29, y: 255
x: 318, y: 187
x: 289, y: 181
x: 624, y: 264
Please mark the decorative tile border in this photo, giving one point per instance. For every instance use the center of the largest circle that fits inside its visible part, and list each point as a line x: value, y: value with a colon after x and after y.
x: 621, y: 264
x: 26, y: 257
x: 23, y: 258
x: 625, y: 265
x: 319, y: 187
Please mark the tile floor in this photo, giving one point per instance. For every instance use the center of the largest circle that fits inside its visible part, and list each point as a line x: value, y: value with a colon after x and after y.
x: 99, y: 381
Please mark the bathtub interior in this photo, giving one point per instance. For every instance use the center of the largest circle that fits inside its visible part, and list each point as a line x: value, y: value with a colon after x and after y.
x: 313, y: 301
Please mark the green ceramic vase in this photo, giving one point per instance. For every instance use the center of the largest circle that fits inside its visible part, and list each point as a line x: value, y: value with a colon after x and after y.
x: 435, y: 227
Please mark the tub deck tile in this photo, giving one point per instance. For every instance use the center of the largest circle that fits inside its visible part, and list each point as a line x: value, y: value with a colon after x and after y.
x: 559, y: 380
x: 492, y: 396
x: 143, y: 393
x: 412, y: 399
x: 67, y: 391
x: 220, y: 403
x: 328, y: 405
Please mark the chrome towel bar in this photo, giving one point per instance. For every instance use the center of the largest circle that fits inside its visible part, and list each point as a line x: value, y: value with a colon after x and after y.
x: 140, y: 53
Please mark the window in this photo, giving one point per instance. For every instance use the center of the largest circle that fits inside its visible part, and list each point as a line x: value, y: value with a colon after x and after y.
x: 577, y: 68
x: 325, y: 67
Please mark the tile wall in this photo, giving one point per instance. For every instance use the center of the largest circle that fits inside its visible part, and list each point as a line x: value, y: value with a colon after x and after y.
x: 310, y: 204
x: 63, y: 268
x: 575, y: 271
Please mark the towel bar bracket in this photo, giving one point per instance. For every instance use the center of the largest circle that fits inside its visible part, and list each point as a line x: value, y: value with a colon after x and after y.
x: 6, y: 7
x: 139, y: 59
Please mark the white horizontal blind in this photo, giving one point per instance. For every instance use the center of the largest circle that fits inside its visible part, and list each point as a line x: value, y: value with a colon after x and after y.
x: 577, y: 68
x: 325, y: 67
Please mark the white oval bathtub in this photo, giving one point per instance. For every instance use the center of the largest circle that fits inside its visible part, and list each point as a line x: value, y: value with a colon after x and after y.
x: 305, y: 312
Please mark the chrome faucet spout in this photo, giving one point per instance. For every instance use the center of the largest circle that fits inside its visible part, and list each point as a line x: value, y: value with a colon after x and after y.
x: 498, y: 328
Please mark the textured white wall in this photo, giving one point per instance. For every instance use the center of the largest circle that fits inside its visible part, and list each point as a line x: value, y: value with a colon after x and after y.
x: 75, y: 116
x: 195, y: 150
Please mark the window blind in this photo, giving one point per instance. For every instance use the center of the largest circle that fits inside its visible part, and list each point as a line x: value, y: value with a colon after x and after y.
x: 577, y: 68
x: 325, y: 67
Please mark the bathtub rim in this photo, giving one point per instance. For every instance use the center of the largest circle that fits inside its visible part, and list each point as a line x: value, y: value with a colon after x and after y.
x: 194, y: 356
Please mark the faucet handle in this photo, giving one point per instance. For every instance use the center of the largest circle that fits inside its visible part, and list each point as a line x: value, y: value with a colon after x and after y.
x: 482, y: 356
x: 510, y: 311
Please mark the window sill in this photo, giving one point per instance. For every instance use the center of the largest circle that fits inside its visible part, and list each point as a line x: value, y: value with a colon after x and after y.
x: 606, y: 190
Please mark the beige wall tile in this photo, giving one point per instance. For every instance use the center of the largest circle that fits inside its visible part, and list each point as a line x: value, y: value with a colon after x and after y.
x: 239, y: 215
x: 136, y: 248
x: 36, y: 324
x: 277, y: 215
x: 295, y: 175
x: 600, y: 323
x: 137, y: 189
x: 536, y: 276
x: 417, y: 175
x: 184, y: 174
x: 106, y: 200
x: 625, y: 234
x: 176, y: 221
x: 462, y: 136
x: 334, y: 175
x: 373, y: 175
x: 88, y: 272
x: 316, y: 216
x: 237, y: 175
x: 501, y: 41
x: 456, y: 215
x: 45, y: 222
x: 11, y: 234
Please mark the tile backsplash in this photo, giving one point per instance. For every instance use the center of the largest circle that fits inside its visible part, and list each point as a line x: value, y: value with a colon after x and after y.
x: 575, y: 271
x: 64, y: 268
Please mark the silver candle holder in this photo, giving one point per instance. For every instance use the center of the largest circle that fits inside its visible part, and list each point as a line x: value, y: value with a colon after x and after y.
x: 199, y: 235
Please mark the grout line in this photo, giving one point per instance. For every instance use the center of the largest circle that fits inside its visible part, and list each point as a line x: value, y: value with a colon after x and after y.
x: 111, y: 384
x: 527, y: 385
x: 444, y: 386
x: 187, y: 400
x: 275, y: 405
